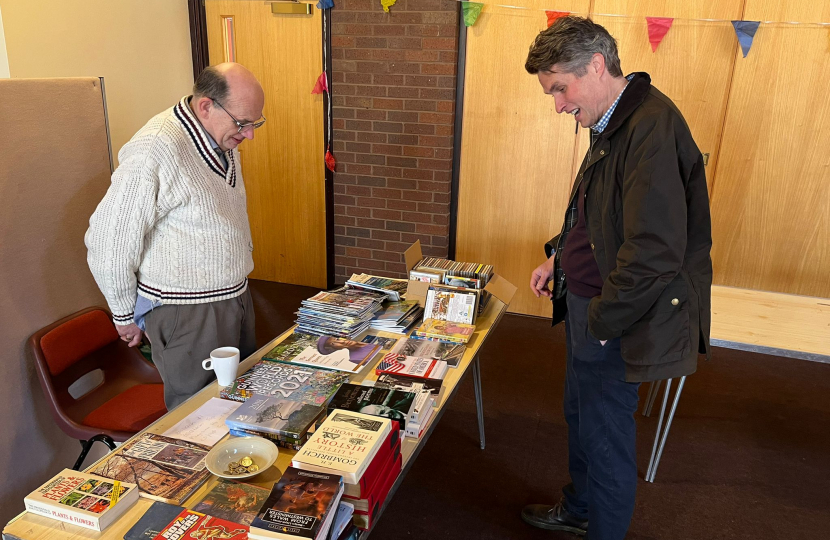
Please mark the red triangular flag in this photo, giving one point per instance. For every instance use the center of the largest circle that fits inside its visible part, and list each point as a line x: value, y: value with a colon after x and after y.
x: 322, y: 84
x: 657, y: 29
x: 553, y: 15
x: 330, y: 162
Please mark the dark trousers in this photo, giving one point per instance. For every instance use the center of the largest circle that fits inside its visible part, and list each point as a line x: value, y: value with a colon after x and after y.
x: 599, y: 409
x: 182, y: 335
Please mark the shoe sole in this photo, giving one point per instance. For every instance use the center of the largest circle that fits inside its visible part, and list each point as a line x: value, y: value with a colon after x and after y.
x: 550, y: 527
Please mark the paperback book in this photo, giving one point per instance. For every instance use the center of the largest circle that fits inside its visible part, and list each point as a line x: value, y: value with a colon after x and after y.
x: 82, y: 499
x: 154, y: 520
x: 291, y: 346
x: 345, y: 444
x: 410, y: 384
x: 445, y: 331
x: 275, y: 416
x: 385, y: 343
x: 451, y: 353
x: 386, y: 402
x: 233, y: 501
x: 302, y: 384
x: 412, y: 366
x: 190, y: 524
x: 392, y: 288
x: 301, y: 505
x: 164, y: 469
x: 338, y: 354
x: 451, y: 304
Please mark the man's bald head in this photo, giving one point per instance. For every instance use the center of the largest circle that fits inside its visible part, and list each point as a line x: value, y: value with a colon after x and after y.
x: 229, y: 86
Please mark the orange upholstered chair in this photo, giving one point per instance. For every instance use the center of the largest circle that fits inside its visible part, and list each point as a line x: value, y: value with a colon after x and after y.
x: 129, y: 398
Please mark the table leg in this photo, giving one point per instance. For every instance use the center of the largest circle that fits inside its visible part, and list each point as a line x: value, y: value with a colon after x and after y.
x: 479, y: 401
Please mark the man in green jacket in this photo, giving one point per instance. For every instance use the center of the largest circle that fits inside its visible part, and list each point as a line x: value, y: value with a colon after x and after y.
x: 631, y: 269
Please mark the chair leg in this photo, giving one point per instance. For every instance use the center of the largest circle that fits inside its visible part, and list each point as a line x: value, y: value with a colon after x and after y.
x: 668, y: 427
x: 86, y: 445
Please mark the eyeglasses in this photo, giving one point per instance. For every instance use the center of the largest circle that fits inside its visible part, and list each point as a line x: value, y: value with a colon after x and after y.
x: 239, y: 124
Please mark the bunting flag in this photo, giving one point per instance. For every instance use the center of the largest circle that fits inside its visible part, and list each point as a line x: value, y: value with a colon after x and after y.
x: 471, y: 12
x: 745, y: 30
x: 553, y: 15
x: 321, y: 85
x: 325, y: 4
x: 330, y: 161
x: 387, y: 4
x: 658, y: 27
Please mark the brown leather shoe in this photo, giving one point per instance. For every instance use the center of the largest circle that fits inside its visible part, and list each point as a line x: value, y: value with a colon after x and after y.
x: 553, y: 518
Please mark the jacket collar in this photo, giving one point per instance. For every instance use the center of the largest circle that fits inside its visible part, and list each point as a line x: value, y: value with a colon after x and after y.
x: 632, y: 97
x: 198, y: 136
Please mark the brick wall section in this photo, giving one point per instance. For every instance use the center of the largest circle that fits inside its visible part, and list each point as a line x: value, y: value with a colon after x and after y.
x: 393, y: 86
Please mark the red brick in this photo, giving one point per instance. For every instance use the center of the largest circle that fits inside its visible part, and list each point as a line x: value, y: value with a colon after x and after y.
x: 440, y: 241
x: 372, y: 244
x: 390, y: 80
x: 443, y: 176
x: 395, y: 269
x: 338, y: 54
x: 343, y: 65
x: 436, y: 118
x: 346, y: 261
x: 345, y: 179
x: 432, y: 251
x: 381, y: 213
x: 435, y: 164
x: 338, y: 101
x: 359, y: 233
x: 418, y: 151
x: 337, y: 146
x: 411, y: 238
x: 409, y: 206
x: 446, y: 106
x: 389, y: 29
x: 340, y: 16
x: 440, y: 17
x: 344, y: 199
x: 422, y: 56
x: 403, y: 92
x: 387, y: 149
x: 354, y: 168
x: 441, y: 197
x: 344, y: 89
x: 400, y: 226
x: 357, y: 5
x: 386, y: 193
x: 432, y: 208
x: 368, y: 158
x: 392, y: 172
x: 371, y: 202
x: 435, y: 142
x: 371, y: 67
x: 369, y: 264
x: 421, y: 80
x: 441, y: 219
x: 388, y: 55
x: 407, y: 68
x: 445, y: 44
x: 342, y: 112
x: 403, y: 139
x: 444, y: 130
x: 365, y: 102
x: 360, y: 191
x: 437, y: 69
x: 369, y: 42
x: 437, y: 93
x: 371, y: 181
x: 402, y: 17
x: 448, y: 30
x: 448, y: 56
x: 344, y: 135
x: 358, y: 211
x: 371, y: 223
x: 431, y: 229
x: 350, y: 29
x: 399, y: 247
x: 339, y: 123
x: 400, y: 116
x: 443, y: 153
x: 363, y: 148
x: 426, y: 30
x: 418, y: 174
x: 446, y: 82
x: 346, y: 157
x: 344, y: 220
x: 371, y: 91
x: 404, y: 162
x: 344, y: 241
x: 399, y: 183
x: 419, y: 129
x: 420, y: 105
x: 386, y: 235
x: 404, y: 42
x: 393, y: 104
x: 387, y: 256
x: 342, y: 41
x: 387, y: 127
x: 357, y: 78
x: 339, y: 229
x: 419, y: 196
x: 370, y: 114
x: 438, y: 187
x: 371, y: 17
x: 365, y: 136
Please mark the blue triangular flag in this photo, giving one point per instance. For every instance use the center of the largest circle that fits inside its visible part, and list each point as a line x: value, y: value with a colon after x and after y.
x: 745, y: 30
x: 325, y: 4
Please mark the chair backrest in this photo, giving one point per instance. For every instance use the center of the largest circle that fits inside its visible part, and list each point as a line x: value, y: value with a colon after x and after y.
x: 75, y: 346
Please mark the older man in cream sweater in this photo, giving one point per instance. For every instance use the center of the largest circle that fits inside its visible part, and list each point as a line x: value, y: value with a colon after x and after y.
x: 170, y: 244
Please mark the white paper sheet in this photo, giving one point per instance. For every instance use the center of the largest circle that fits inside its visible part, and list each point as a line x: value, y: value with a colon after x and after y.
x: 205, y: 425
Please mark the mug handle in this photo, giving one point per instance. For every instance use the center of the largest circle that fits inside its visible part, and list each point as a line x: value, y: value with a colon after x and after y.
x: 207, y: 363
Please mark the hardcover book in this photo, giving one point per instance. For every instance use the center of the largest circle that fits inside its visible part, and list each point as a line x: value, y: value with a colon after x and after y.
x: 393, y: 404
x: 451, y: 353
x: 233, y: 501
x: 345, y: 444
x: 164, y: 469
x: 276, y: 416
x: 301, y: 505
x: 412, y: 366
x: 154, y: 520
x: 196, y: 525
x: 82, y: 499
x: 302, y: 384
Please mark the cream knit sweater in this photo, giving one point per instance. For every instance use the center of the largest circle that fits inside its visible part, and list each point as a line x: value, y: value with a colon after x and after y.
x: 173, y: 226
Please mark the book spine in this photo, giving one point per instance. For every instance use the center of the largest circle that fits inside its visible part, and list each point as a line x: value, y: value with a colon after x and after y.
x: 66, y: 515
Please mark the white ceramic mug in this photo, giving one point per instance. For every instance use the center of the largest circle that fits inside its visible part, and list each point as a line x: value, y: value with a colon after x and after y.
x: 224, y: 361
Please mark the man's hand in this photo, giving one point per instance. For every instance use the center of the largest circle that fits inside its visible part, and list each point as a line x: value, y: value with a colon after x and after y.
x: 540, y: 278
x: 130, y: 333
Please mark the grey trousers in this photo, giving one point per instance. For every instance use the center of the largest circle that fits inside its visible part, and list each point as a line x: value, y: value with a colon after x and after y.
x: 182, y: 335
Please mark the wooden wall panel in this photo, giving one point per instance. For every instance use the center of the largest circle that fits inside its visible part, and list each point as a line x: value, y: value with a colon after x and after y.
x: 516, y: 152
x: 283, y: 165
x: 771, y: 199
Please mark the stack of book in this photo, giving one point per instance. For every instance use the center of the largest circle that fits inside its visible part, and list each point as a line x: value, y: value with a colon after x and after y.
x: 336, y: 314
x: 296, y: 383
x: 396, y: 405
x: 392, y: 288
x: 461, y: 274
x: 451, y: 353
x: 397, y: 317
x: 287, y: 423
x: 303, y: 504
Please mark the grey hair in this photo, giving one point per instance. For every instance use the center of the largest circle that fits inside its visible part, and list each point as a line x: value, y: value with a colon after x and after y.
x: 570, y: 43
x: 211, y: 84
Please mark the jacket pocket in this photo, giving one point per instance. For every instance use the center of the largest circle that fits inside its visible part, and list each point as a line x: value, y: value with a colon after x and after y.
x: 662, y: 335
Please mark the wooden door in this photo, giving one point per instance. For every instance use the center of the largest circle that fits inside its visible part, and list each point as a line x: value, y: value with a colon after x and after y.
x: 283, y: 166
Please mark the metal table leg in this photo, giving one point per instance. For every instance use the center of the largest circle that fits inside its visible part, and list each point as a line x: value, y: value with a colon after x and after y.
x: 653, y: 469
x: 479, y: 401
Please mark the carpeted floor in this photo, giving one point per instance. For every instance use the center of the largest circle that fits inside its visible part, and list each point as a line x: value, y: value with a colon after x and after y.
x: 748, y: 456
